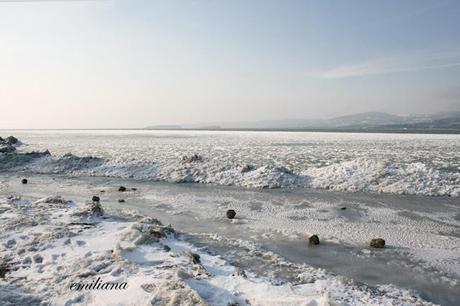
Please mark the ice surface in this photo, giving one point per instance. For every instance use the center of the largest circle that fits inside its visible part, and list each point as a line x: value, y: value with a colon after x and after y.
x: 268, y: 239
x: 69, y: 244
x: 389, y: 163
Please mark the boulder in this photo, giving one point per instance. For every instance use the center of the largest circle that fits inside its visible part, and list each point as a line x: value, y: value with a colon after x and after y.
x: 24, y: 181
x: 231, y: 214
x: 122, y: 189
x: 11, y: 140
x: 377, y: 243
x: 121, y: 201
x: 313, y: 240
x: 96, y: 199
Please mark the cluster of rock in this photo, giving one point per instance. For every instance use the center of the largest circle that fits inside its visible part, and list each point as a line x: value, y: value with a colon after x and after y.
x: 8, y: 144
x: 192, y: 159
x: 313, y: 240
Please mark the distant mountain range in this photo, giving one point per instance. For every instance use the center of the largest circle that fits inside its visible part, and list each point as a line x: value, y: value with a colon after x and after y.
x: 370, y: 121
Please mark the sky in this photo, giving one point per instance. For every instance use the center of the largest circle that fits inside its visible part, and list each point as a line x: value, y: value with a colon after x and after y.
x: 135, y: 63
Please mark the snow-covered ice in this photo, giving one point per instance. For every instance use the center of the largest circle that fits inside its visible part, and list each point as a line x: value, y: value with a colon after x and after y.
x: 388, y: 163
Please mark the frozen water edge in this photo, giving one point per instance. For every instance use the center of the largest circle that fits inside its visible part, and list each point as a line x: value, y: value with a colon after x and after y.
x: 61, y: 253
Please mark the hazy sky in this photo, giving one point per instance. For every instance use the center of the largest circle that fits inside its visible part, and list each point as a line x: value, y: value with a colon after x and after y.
x: 133, y: 63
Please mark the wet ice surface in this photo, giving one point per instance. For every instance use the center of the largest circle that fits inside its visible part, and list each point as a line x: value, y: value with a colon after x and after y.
x: 422, y: 233
x: 388, y: 163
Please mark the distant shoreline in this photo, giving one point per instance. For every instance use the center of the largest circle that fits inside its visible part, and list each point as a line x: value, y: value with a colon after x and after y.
x: 362, y: 131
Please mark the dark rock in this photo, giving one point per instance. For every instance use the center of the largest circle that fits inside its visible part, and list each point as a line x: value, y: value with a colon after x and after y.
x: 231, y: 214
x: 166, y: 248
x: 240, y: 272
x: 157, y: 232
x: 122, y: 189
x: 37, y: 154
x: 11, y: 140
x: 3, y: 270
x: 121, y: 201
x: 133, y: 189
x: 343, y: 208
x: 313, y: 240
x: 195, y: 258
x: 377, y: 243
x: 96, y: 199
x: 7, y: 148
x: 24, y: 181
x: 192, y: 159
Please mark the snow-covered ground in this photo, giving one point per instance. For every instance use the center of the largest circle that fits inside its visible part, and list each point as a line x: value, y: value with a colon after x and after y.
x: 51, y: 243
x: 267, y: 240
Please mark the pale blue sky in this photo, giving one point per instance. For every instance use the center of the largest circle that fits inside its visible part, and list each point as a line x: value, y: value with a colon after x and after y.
x: 133, y: 63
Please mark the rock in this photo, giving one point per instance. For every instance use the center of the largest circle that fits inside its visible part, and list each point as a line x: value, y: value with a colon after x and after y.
x: 157, y: 232
x: 231, y: 214
x: 11, y: 140
x: 166, y: 248
x: 377, y: 243
x: 240, y: 272
x: 121, y: 201
x: 313, y: 240
x: 96, y: 199
x: 96, y: 209
x: 195, y: 258
x: 343, y: 208
x: 133, y: 189
x: 122, y: 189
x: 24, y: 181
x: 6, y: 148
x: 192, y: 159
x: 38, y: 154
x: 3, y: 270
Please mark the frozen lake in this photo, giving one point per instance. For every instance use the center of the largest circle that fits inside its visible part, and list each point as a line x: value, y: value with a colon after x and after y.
x: 346, y: 188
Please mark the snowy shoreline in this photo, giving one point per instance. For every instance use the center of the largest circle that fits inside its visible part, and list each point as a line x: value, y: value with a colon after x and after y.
x: 49, y: 244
